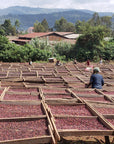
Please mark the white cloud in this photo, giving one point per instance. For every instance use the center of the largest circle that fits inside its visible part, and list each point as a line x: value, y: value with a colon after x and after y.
x: 95, y: 5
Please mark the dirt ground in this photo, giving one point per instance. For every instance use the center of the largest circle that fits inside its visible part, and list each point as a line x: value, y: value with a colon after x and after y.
x: 86, y: 140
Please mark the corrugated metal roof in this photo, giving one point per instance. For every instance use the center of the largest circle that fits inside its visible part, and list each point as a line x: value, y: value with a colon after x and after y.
x: 72, y: 36
x: 41, y: 34
x: 63, y: 33
x: 66, y: 35
x: 33, y: 35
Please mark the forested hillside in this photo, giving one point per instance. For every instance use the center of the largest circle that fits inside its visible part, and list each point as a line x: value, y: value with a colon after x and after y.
x: 28, y: 10
x: 28, y: 16
x: 28, y: 20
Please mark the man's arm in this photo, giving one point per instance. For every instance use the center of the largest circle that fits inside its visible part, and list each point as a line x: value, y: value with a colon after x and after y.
x: 87, y: 85
x: 90, y: 82
x: 102, y: 81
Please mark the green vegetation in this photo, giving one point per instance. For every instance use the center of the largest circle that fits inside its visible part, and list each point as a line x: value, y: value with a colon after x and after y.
x: 14, y: 53
x: 63, y: 26
x: 63, y: 51
x: 8, y: 29
x: 27, y: 19
x: 93, y: 46
x: 90, y: 44
x: 41, y: 27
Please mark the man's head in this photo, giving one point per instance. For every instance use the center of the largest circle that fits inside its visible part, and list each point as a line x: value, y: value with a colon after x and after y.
x: 96, y: 70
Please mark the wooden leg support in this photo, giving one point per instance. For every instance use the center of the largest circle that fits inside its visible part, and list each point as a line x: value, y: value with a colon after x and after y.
x: 107, y: 140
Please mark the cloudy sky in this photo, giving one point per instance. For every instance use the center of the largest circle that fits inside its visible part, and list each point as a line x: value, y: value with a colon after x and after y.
x: 94, y: 5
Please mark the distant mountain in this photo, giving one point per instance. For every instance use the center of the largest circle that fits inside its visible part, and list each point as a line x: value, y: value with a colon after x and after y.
x: 29, y: 20
x: 27, y: 16
x: 19, y: 10
x: 100, y: 13
x: 106, y: 14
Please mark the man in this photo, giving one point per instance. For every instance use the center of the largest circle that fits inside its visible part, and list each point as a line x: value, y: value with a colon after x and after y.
x: 88, y: 62
x: 96, y: 80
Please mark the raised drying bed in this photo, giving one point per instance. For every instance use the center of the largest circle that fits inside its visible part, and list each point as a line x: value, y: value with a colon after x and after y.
x: 94, y: 98
x: 24, y: 122
x: 12, y: 84
x: 26, y: 74
x: 56, y: 85
x: 10, y: 96
x: 25, y: 131
x: 13, y: 109
x: 104, y: 108
x: 84, y: 91
x: 23, y: 90
x: 56, y: 95
x: 71, y: 79
x: 76, y: 85
x: 47, y: 90
x: 69, y: 109
x: 77, y: 120
x: 110, y: 119
x: 53, y: 79
x: 20, y: 94
x: 80, y: 126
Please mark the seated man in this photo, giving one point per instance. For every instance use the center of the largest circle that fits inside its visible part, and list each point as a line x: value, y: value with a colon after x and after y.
x: 75, y: 61
x: 96, y: 80
x: 58, y: 63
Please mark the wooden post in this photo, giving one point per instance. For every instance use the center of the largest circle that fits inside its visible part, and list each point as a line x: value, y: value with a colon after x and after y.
x: 107, y: 140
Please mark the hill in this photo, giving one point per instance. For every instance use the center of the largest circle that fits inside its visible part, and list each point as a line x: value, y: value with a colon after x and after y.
x: 20, y: 10
x: 17, y: 10
x: 27, y: 16
x: 29, y: 19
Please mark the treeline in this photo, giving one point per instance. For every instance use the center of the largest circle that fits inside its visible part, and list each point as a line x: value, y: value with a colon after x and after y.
x: 27, y: 20
x: 80, y: 27
x: 8, y: 29
x: 91, y: 44
x: 61, y: 25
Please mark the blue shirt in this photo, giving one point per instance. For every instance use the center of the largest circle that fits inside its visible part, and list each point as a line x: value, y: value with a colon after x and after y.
x: 97, y: 81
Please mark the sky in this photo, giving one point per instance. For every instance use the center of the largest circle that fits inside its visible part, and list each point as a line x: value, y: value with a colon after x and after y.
x: 94, y: 5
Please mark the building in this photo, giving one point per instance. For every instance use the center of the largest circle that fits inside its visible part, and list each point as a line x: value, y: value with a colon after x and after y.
x: 51, y: 37
x: 30, y: 29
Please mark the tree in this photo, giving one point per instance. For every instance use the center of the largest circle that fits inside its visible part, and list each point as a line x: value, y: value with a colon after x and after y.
x: 38, y: 27
x: 2, y: 31
x: 81, y: 27
x: 17, y: 25
x: 9, y: 29
x: 78, y: 27
x: 106, y: 21
x: 109, y: 50
x: 112, y: 26
x: 95, y: 21
x: 70, y: 27
x: 3, y: 42
x: 44, y: 23
x: 90, y: 45
x: 64, y: 50
x: 63, y: 26
x: 60, y: 25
